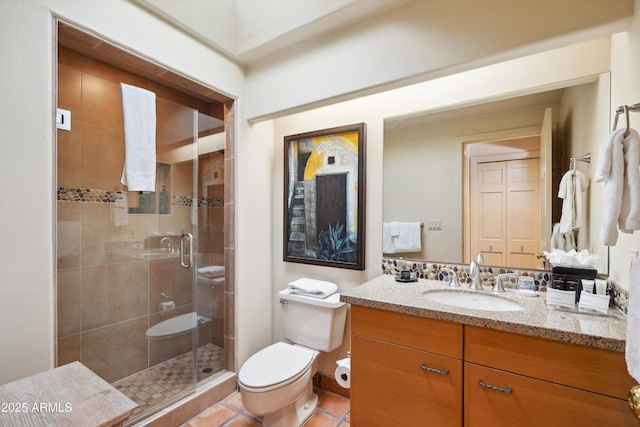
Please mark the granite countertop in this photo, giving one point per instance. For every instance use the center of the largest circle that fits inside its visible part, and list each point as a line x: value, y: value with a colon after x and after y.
x: 607, y: 332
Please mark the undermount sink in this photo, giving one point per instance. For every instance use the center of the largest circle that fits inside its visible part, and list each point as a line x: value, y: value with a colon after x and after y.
x: 474, y: 301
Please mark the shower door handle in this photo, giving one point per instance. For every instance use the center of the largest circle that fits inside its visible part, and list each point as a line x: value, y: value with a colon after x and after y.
x: 189, y: 238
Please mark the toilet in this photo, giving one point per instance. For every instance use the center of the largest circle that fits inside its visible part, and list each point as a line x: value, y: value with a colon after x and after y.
x: 277, y: 381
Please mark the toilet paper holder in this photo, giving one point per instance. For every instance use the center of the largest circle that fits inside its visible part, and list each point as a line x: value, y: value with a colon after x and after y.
x: 342, y: 373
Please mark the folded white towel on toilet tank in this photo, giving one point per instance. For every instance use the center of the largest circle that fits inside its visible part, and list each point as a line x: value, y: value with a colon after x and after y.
x: 312, y: 287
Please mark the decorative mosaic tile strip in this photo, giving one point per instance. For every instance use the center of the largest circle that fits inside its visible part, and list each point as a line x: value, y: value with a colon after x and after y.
x: 94, y: 195
x: 208, y: 202
x: 181, y: 200
x: 91, y: 195
x: 211, y: 202
x: 433, y: 271
x: 619, y: 295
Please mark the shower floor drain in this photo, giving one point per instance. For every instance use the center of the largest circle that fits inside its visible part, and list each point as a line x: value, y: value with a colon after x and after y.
x: 207, y: 370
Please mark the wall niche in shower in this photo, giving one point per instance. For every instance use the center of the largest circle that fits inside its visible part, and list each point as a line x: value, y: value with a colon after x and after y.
x: 150, y: 202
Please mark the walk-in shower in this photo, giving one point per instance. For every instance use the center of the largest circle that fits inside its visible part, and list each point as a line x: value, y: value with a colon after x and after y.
x: 142, y: 290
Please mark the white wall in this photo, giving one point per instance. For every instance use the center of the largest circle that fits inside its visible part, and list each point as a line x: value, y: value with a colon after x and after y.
x: 625, y: 90
x: 421, y: 40
x: 27, y: 175
x: 26, y: 207
x: 519, y: 76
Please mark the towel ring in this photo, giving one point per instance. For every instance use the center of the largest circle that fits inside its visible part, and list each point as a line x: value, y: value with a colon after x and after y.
x: 620, y: 110
x: 626, y: 114
x: 626, y: 110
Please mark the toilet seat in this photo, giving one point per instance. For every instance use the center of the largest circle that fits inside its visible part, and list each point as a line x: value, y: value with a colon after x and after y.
x: 285, y: 362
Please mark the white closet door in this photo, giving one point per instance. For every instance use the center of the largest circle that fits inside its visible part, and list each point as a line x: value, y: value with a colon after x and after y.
x: 523, y: 213
x: 488, y: 214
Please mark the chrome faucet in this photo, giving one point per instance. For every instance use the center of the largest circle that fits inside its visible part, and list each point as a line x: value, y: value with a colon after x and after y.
x: 497, y: 283
x: 169, y: 244
x: 454, y: 282
x: 474, y: 274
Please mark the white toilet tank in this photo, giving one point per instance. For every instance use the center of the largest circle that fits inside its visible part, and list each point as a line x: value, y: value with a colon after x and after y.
x: 313, y: 322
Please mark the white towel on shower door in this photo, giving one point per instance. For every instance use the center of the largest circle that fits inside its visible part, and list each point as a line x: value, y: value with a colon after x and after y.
x: 139, y: 115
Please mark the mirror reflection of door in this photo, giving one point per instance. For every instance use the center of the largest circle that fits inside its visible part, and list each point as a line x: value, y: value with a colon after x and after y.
x: 505, y: 202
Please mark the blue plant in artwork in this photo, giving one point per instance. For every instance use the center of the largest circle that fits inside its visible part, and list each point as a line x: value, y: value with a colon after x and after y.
x: 333, y: 246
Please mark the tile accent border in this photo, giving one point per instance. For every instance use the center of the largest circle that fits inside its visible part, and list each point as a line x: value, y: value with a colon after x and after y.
x: 95, y: 195
x: 91, y: 195
x: 433, y: 271
x: 619, y: 295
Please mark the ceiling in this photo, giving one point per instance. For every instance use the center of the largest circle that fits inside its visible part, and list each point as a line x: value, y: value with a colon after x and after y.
x: 247, y: 31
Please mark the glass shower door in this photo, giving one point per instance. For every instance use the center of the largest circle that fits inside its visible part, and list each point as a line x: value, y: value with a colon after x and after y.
x: 130, y: 305
x: 171, y: 247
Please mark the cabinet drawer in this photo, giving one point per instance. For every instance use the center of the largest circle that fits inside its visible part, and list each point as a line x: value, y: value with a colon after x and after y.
x: 435, y: 336
x: 587, y: 368
x: 533, y: 402
x: 390, y: 388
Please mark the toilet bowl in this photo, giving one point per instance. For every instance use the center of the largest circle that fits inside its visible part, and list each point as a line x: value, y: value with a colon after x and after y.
x: 277, y: 381
x: 283, y: 393
x: 176, y: 325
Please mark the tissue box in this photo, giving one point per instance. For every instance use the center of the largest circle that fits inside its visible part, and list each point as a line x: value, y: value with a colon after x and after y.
x: 570, y: 278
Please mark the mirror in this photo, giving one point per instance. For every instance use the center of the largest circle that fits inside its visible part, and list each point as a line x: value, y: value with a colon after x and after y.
x: 427, y: 157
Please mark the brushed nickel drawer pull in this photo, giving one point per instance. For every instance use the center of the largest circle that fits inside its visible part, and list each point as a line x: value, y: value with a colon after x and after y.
x: 435, y: 371
x: 493, y: 387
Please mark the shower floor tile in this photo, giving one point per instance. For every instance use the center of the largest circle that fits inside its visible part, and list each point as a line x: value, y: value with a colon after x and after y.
x: 164, y: 381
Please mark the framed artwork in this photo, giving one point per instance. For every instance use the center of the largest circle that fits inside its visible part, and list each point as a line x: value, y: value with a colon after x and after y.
x: 324, y: 197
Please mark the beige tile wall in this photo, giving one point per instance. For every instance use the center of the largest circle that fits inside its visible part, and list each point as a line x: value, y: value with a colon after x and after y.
x: 106, y: 303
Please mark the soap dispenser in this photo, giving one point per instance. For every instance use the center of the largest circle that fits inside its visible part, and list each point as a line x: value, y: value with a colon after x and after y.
x: 164, y: 202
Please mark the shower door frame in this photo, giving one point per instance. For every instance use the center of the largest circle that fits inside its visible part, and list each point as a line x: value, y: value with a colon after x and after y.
x: 228, y: 103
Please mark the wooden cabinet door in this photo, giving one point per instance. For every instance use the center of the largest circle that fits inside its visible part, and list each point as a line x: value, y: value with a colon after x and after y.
x: 398, y: 386
x: 508, y: 399
x: 588, y: 368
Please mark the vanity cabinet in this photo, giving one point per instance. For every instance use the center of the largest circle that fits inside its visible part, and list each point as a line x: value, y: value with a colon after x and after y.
x: 405, y: 371
x: 513, y: 379
x: 500, y: 379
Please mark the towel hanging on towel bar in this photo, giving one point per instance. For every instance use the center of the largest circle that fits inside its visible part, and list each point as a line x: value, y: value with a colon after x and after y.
x: 584, y: 158
x: 618, y: 169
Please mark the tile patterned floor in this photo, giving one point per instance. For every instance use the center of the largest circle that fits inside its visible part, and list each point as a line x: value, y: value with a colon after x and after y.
x: 333, y: 411
x: 162, y: 382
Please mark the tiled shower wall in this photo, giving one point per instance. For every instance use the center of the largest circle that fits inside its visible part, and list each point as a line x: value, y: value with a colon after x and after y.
x: 106, y: 304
